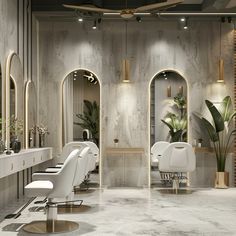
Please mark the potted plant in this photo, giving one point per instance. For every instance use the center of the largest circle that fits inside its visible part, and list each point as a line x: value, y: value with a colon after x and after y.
x: 16, y: 131
x: 90, y: 119
x: 177, y: 123
x: 42, y: 131
x: 221, y: 134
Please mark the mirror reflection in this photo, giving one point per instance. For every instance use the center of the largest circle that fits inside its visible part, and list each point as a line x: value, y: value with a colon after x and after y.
x: 168, y: 118
x: 81, y: 99
x: 81, y: 108
x: 14, y: 104
x: 31, y: 114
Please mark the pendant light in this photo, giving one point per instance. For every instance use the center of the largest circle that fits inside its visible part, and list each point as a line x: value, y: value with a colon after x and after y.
x: 125, y: 62
x: 221, y: 63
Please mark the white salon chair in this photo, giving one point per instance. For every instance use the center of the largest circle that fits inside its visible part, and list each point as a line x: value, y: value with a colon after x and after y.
x: 95, y: 151
x: 156, y: 152
x: 177, y: 158
x: 54, y: 185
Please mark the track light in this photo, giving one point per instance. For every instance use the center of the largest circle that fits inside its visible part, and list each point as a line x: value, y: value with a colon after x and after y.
x: 94, y: 25
x: 80, y: 19
x: 138, y: 19
x: 182, y: 19
x: 223, y: 19
x: 229, y: 19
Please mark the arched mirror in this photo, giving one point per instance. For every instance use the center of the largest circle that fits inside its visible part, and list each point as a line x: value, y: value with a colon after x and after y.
x: 81, y: 99
x: 81, y: 109
x: 30, y: 114
x: 14, y: 103
x: 168, y: 117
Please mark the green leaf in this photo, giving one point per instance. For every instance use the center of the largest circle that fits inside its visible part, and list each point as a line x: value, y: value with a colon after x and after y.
x: 217, y: 118
x: 225, y: 108
x: 169, y: 125
x: 211, y: 130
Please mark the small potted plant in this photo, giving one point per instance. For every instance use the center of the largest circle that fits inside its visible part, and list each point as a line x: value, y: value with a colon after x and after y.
x: 16, y: 131
x: 221, y: 132
x: 42, y: 131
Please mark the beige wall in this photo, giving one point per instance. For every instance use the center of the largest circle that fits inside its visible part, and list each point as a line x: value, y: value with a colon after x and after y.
x: 153, y: 46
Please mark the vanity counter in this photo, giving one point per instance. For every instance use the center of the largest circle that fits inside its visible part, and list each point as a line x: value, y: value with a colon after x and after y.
x: 26, y: 158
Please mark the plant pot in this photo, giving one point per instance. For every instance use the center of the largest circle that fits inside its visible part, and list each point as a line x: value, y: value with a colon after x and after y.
x: 16, y: 146
x: 222, y: 180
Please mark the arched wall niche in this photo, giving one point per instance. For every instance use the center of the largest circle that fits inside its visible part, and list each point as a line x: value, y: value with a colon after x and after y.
x: 168, y: 89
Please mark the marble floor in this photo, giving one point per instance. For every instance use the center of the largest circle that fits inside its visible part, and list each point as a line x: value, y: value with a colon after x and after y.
x: 143, y: 212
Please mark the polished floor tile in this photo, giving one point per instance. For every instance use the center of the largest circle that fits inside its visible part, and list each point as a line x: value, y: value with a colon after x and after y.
x: 143, y: 212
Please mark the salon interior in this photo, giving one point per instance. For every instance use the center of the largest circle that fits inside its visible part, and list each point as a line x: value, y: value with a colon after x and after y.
x: 117, y: 117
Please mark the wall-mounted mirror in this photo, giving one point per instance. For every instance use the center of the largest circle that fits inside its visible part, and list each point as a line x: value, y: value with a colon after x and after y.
x: 30, y: 114
x: 168, y: 117
x: 81, y: 110
x: 14, y: 101
x: 81, y: 99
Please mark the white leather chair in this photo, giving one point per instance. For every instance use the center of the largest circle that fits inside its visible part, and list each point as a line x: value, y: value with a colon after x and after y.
x: 156, y: 152
x: 177, y: 158
x: 53, y: 185
x: 95, y: 151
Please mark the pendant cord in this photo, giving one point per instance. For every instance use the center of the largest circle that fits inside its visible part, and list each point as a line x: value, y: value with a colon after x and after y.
x: 220, y: 39
x: 126, y: 38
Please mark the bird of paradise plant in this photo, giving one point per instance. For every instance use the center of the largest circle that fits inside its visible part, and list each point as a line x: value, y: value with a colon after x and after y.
x: 221, y: 130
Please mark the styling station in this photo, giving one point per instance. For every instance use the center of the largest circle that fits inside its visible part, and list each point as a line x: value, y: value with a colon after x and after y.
x: 117, y: 117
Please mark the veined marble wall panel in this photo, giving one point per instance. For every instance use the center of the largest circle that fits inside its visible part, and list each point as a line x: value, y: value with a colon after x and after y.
x: 11, y: 39
x: 152, y: 47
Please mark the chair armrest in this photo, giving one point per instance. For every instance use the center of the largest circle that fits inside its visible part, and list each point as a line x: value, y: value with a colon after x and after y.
x: 48, y: 176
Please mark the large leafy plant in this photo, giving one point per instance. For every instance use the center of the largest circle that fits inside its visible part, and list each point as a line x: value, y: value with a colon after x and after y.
x: 177, y: 123
x: 90, y: 119
x: 220, y: 130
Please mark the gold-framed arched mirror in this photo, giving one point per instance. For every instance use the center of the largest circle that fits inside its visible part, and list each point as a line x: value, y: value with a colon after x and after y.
x: 81, y: 114
x: 168, y: 117
x: 30, y: 114
x: 14, y: 100
x: 80, y: 92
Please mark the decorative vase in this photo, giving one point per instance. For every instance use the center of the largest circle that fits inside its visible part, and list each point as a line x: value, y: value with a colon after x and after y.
x: 16, y: 145
x: 41, y: 140
x: 2, y: 146
x: 222, y: 180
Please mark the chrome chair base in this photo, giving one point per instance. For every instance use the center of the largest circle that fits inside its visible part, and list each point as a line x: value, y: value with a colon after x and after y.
x: 45, y: 227
x: 72, y: 208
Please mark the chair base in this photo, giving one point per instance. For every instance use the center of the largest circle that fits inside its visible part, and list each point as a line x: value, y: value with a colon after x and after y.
x: 84, y: 191
x: 72, y: 208
x: 45, y: 227
x: 176, y: 191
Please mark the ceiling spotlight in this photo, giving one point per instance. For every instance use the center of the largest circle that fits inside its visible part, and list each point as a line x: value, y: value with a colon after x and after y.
x: 80, y: 19
x: 229, y: 19
x: 95, y: 25
x: 99, y: 20
x: 138, y: 19
x: 182, y: 19
x: 223, y: 19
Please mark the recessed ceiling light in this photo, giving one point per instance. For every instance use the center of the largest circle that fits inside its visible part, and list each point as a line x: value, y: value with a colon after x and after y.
x: 182, y: 19
x: 80, y: 19
x: 185, y: 27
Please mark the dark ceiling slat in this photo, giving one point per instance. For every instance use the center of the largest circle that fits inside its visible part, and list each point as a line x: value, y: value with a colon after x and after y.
x: 56, y: 5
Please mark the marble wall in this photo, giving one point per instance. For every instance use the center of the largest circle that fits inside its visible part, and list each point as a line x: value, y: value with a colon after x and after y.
x: 14, y: 36
x: 152, y: 46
